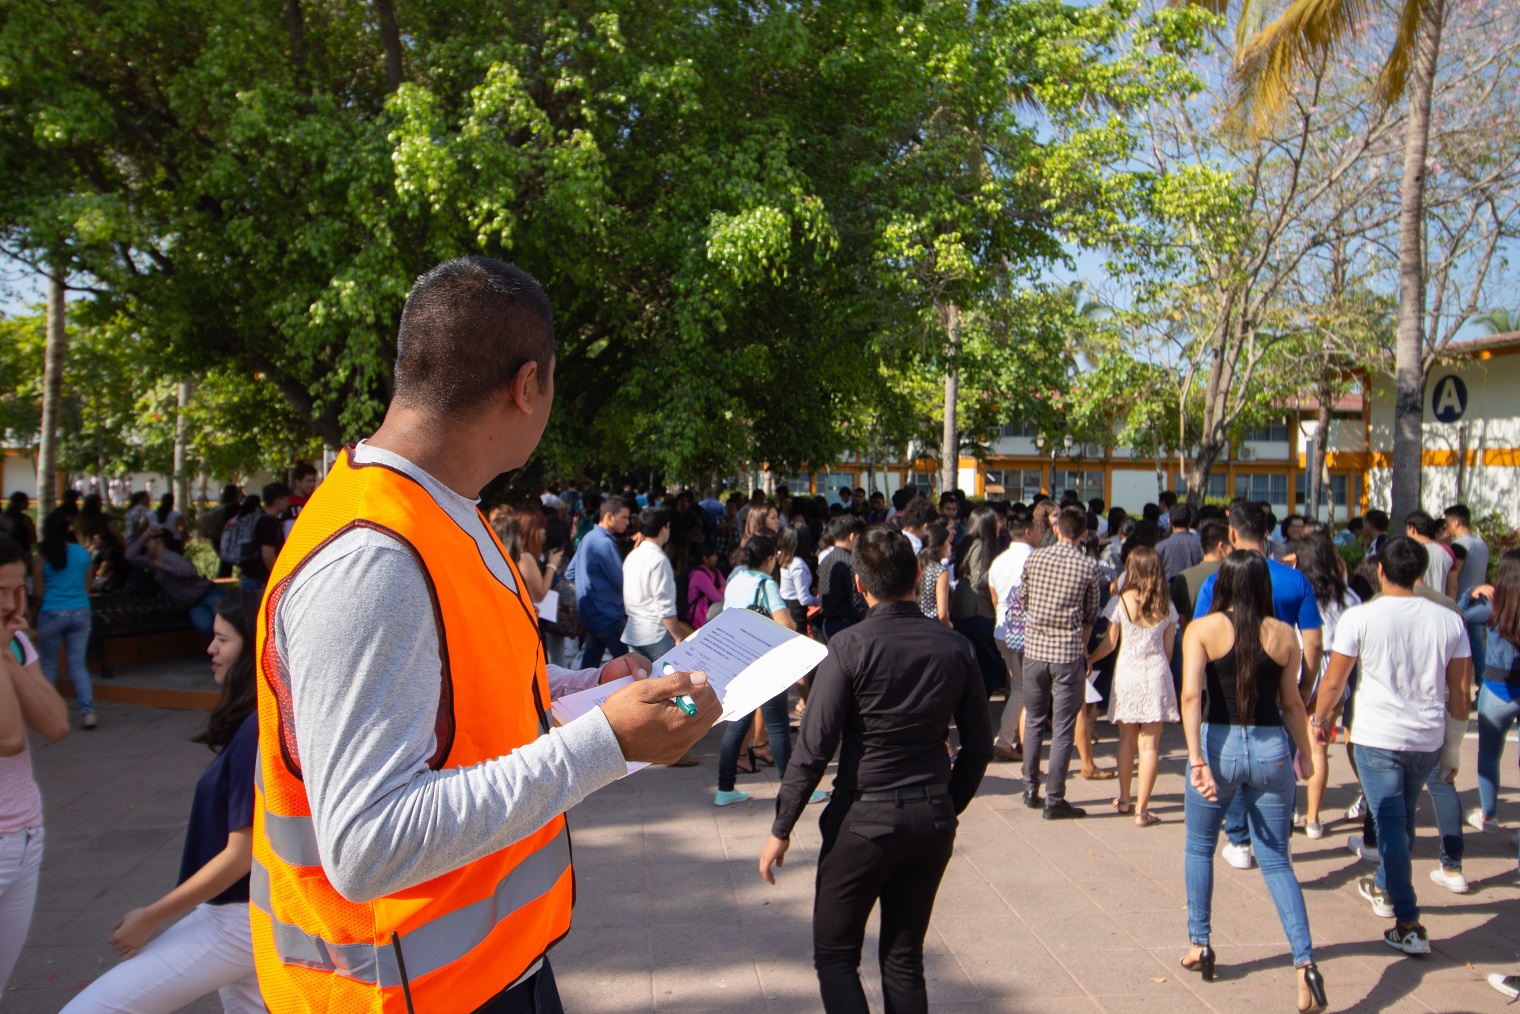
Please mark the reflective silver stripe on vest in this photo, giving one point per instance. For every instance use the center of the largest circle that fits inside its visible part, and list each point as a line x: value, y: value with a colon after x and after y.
x: 293, y: 839
x: 430, y: 946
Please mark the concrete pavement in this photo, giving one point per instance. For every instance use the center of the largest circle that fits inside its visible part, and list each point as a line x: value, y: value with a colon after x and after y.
x: 673, y: 916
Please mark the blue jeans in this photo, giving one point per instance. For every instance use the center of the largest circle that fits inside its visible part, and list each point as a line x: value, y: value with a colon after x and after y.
x: 653, y: 651
x: 203, y: 613
x: 1391, y: 781
x: 598, y: 644
x: 1448, y: 806
x: 71, y: 629
x: 777, y: 727
x: 1494, y: 720
x: 1250, y: 763
x: 1477, y: 640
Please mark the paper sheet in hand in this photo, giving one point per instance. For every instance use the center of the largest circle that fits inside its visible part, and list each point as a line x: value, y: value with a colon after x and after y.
x: 572, y: 706
x: 1093, y: 697
x: 548, y: 608
x: 748, y: 659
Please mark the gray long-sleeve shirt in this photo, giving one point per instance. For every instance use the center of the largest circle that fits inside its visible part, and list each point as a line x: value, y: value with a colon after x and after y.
x: 361, y: 647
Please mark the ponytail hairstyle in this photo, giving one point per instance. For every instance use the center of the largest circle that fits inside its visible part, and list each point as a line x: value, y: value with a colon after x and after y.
x: 55, y: 540
x: 239, y: 689
x: 1145, y: 575
x: 1249, y: 602
x: 165, y: 508
x: 935, y: 537
x: 755, y: 551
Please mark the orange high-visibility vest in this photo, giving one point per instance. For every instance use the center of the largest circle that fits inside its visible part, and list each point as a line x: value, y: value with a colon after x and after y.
x: 466, y: 935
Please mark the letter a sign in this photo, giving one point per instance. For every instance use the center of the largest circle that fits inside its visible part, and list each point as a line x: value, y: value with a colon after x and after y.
x: 1448, y: 399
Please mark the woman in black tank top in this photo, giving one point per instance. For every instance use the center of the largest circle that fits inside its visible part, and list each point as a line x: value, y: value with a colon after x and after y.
x: 1239, y: 703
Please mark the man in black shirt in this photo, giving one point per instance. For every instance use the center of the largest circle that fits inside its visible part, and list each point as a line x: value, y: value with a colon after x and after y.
x: 888, y: 690
x: 268, y: 536
x: 839, y: 601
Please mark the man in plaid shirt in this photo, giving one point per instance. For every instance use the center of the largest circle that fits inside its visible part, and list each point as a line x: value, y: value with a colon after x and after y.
x: 1060, y: 591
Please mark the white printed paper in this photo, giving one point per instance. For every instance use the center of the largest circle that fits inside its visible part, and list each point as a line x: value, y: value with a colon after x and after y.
x: 548, y: 607
x: 748, y: 659
x: 1093, y: 697
x: 572, y: 706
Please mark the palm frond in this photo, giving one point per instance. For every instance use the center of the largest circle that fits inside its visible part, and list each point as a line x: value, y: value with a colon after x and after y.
x: 1307, y: 32
x: 1395, y: 74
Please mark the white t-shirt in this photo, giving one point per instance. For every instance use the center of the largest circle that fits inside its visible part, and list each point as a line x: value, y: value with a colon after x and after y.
x: 649, y: 594
x: 1404, y: 644
x: 1006, y: 574
x: 1439, y: 566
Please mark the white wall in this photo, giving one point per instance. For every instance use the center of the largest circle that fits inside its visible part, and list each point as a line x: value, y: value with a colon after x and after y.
x: 1132, y: 488
x: 20, y: 475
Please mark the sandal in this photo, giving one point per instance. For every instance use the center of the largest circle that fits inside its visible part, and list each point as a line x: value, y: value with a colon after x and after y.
x: 1124, y: 806
x: 761, y: 757
x: 753, y: 767
x: 1146, y: 819
x: 1098, y: 774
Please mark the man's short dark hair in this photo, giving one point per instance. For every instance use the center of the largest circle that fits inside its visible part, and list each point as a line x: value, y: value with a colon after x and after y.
x: 1460, y: 512
x: 611, y: 506
x: 652, y: 521
x: 1212, y: 533
x: 1377, y: 519
x: 302, y: 471
x: 1248, y: 520
x: 1071, y: 522
x: 1168, y: 499
x: 918, y: 513
x: 1182, y: 516
x: 903, y: 497
x: 1096, y: 505
x: 1020, y: 523
x: 842, y: 527
x: 274, y: 491
x: 1423, y: 524
x: 469, y: 325
x: 885, y: 563
x: 1403, y: 560
x: 1355, y: 524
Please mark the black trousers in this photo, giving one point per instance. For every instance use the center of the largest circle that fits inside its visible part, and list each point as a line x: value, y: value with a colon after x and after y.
x: 535, y: 995
x: 888, y: 852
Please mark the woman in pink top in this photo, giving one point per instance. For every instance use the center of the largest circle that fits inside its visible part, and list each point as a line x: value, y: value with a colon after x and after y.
x: 704, y: 587
x: 26, y: 701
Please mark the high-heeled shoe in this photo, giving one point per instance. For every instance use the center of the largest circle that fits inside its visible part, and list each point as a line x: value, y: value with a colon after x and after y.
x: 759, y: 759
x: 1204, y: 965
x: 1315, y: 983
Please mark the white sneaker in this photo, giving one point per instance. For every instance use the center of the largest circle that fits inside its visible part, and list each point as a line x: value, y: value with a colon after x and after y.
x: 1315, y: 830
x: 1382, y: 906
x: 1238, y: 856
x: 1354, y: 811
x: 1509, y: 985
x: 1452, y: 880
x: 1355, y: 844
x: 1479, y: 821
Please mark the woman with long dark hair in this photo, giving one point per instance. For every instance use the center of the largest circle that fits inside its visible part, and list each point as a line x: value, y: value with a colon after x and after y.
x: 1240, y: 704
x: 60, y: 581
x: 1498, y: 606
x: 934, y: 575
x: 1316, y: 558
x: 211, y: 948
x: 794, y: 545
x: 972, y: 611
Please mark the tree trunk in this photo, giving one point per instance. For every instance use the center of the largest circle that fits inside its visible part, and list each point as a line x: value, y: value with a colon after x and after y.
x: 1409, y: 365
x: 1209, y: 451
x: 1317, y: 473
x: 390, y: 39
x: 182, y: 447
x: 55, y: 355
x: 950, y: 441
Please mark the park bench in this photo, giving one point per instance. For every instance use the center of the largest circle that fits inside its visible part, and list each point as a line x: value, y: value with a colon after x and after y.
x: 139, y: 623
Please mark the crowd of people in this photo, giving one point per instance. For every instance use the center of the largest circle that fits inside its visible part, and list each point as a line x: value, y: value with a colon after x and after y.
x: 418, y: 711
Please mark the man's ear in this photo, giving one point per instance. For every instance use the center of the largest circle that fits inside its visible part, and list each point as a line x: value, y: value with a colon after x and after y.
x: 524, y: 390
x: 860, y: 585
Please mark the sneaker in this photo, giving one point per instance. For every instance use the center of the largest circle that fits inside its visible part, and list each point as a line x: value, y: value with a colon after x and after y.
x: 87, y: 721
x: 818, y: 796
x: 729, y: 798
x: 1299, y: 820
x: 1409, y: 939
x: 1480, y: 821
x: 1062, y: 811
x: 1361, y: 848
x: 1354, y: 811
x: 1509, y: 985
x: 1239, y: 856
x: 1315, y: 830
x: 1381, y: 907
x: 1452, y: 880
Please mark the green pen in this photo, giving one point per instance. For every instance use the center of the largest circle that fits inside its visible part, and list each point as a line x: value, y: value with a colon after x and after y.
x: 684, y: 702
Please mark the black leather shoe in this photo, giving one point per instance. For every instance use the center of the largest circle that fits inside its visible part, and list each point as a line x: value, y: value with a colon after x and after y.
x: 1062, y: 811
x: 1032, y: 799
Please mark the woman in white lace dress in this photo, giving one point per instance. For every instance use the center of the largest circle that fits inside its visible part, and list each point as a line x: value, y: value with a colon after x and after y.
x: 1143, y: 626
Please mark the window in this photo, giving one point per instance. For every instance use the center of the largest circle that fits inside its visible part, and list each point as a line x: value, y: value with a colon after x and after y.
x: 1275, y: 433
x: 1218, y: 486
x: 797, y: 485
x: 1271, y: 489
x: 1017, y: 484
x: 1026, y: 429
x: 923, y: 481
x: 1088, y: 484
x: 829, y: 483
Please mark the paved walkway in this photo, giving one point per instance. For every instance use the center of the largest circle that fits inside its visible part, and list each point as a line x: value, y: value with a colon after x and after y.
x: 672, y: 915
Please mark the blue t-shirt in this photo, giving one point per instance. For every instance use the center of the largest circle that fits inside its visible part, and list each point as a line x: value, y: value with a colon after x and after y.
x: 750, y: 587
x: 223, y: 803
x: 1292, y: 598
x: 65, y: 589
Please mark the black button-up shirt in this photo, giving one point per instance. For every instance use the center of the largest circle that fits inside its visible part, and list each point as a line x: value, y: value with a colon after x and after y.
x: 888, y: 689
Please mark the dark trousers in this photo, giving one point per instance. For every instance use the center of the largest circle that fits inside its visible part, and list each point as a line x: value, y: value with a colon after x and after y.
x: 535, y: 995
x: 1054, y: 691
x: 894, y: 853
x: 598, y: 644
x: 979, y: 631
